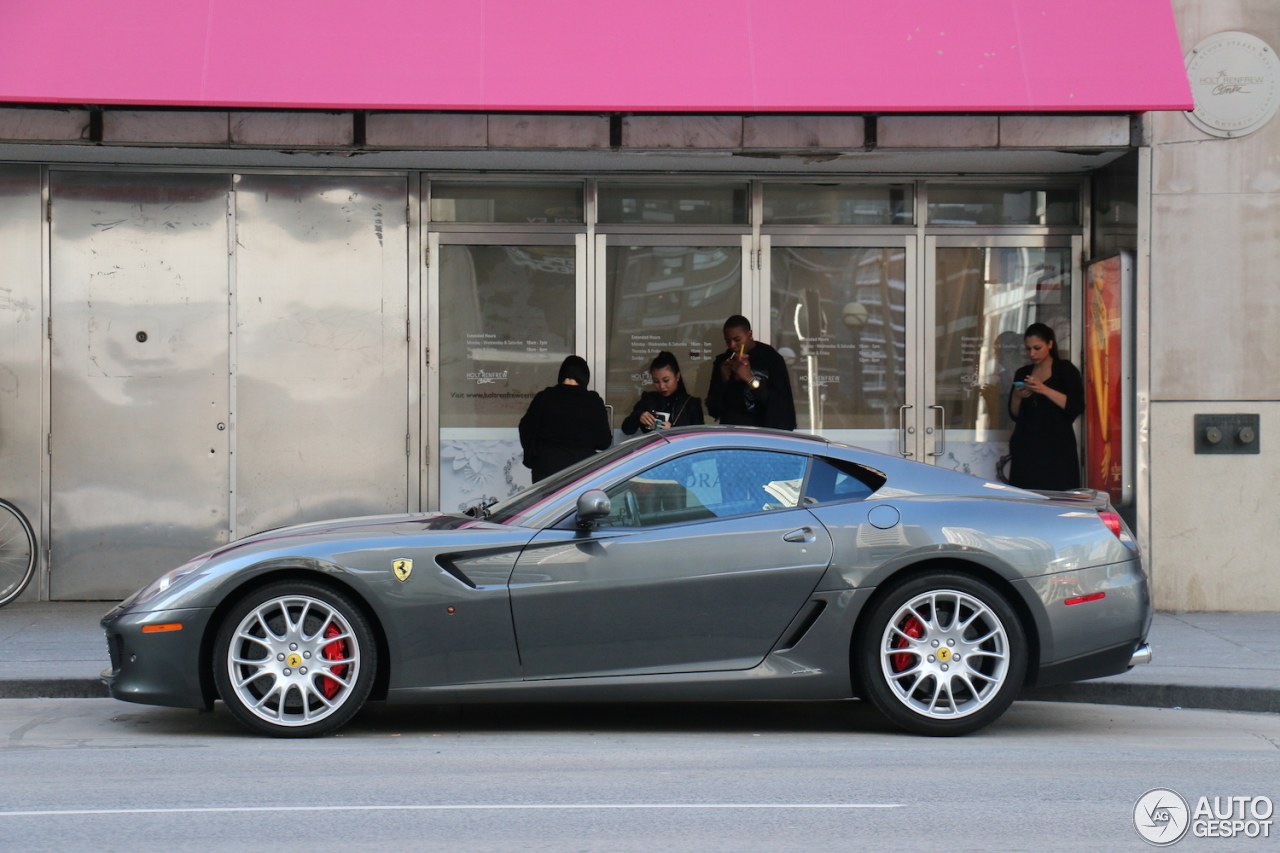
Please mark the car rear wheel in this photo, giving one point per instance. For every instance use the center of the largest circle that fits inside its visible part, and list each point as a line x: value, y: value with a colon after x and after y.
x: 941, y: 654
x: 294, y: 659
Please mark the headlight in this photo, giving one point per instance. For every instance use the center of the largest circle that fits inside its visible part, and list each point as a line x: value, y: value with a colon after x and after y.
x: 168, y: 579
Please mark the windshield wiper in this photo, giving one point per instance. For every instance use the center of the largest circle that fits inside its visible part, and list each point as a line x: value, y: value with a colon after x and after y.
x: 481, y: 510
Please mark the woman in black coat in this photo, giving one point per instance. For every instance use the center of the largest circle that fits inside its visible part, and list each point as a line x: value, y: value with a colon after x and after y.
x: 565, y: 423
x: 668, y: 404
x: 1047, y: 396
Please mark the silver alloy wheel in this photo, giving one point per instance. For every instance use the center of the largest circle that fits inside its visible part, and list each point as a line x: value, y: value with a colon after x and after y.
x: 944, y: 654
x: 293, y: 660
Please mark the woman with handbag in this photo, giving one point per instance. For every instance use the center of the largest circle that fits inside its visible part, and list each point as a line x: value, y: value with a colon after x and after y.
x: 565, y: 423
x: 1047, y: 397
x: 668, y: 404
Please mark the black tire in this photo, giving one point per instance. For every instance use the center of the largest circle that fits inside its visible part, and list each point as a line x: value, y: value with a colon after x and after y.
x: 907, y: 669
x: 17, y: 552
x: 285, y: 636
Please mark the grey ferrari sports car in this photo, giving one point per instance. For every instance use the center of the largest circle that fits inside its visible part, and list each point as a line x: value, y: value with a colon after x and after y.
x: 706, y: 563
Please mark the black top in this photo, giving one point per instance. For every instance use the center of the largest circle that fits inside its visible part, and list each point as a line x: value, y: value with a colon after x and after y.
x: 735, y: 402
x: 563, y: 425
x: 1043, y: 448
x: 681, y: 409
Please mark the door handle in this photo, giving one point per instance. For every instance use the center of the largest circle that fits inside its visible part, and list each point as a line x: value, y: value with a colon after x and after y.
x: 902, y: 431
x: 941, y: 427
x: 804, y: 534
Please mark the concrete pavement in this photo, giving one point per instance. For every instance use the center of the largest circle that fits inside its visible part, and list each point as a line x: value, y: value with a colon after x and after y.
x: 98, y: 776
x: 1224, y: 661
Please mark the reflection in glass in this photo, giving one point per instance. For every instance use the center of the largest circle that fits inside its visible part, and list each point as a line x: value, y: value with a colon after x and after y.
x: 839, y: 319
x: 837, y: 204
x: 985, y: 299
x: 673, y: 298
x: 993, y: 204
x: 672, y: 204
x: 509, y: 322
x: 513, y: 203
x: 710, y: 484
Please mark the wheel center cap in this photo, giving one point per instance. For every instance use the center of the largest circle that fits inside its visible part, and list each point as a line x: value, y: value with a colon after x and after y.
x: 944, y: 654
x: 294, y: 660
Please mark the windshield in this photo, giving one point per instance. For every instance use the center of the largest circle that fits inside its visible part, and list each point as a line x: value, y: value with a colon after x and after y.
x: 517, y: 508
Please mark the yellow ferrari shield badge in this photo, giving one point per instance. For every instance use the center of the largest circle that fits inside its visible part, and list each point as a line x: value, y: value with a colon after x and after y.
x: 402, y: 568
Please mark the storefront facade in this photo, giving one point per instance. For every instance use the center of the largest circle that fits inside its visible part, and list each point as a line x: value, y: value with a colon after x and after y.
x: 224, y: 320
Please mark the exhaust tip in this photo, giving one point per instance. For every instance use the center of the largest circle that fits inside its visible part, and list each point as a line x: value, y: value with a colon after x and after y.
x: 1142, y: 654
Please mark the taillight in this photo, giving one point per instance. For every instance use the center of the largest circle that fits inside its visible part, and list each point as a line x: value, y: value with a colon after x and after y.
x: 1112, y: 521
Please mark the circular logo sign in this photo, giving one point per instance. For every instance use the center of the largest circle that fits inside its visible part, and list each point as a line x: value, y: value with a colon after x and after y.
x: 1161, y: 817
x: 1235, y: 78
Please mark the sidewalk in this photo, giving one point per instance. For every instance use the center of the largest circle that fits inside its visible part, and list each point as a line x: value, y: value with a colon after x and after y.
x: 1225, y: 661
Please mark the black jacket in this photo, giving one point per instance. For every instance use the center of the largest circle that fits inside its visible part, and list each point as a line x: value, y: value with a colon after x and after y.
x: 1043, y: 444
x: 563, y: 425
x: 683, y: 410
x: 735, y: 402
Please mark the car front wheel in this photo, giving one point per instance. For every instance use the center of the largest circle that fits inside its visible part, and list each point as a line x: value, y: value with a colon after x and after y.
x: 941, y: 654
x: 294, y: 659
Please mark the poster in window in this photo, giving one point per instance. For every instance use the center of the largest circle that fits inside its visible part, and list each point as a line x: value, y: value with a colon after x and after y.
x: 1107, y: 377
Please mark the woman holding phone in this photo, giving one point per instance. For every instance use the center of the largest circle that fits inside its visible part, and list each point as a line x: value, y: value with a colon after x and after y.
x: 1047, y: 396
x: 668, y: 404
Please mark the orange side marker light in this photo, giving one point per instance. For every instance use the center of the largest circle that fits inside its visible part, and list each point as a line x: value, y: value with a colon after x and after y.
x: 168, y: 626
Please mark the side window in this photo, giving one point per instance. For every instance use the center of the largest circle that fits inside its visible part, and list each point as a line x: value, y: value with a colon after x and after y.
x: 709, y: 484
x: 837, y: 480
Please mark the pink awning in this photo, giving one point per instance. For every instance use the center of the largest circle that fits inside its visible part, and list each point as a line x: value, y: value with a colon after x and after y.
x: 598, y: 55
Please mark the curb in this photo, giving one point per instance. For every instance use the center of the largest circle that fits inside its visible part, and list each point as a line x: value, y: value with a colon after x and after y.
x: 1253, y: 699
x: 53, y: 688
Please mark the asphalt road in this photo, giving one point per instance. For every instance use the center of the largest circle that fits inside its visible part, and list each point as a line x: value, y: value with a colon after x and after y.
x: 100, y: 775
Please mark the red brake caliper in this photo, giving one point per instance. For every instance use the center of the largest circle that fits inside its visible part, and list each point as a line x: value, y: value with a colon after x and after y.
x: 913, y: 629
x: 333, y: 651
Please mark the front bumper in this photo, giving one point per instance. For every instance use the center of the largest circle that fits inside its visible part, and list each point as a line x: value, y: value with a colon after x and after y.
x: 161, y: 668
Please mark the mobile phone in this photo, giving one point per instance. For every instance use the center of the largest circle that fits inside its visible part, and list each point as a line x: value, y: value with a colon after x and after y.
x: 1019, y: 384
x: 660, y: 418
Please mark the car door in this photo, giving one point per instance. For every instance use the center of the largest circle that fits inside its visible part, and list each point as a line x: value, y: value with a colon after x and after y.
x: 701, y: 565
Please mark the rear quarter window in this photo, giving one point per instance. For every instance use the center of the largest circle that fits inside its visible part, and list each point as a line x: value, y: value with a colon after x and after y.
x: 832, y: 480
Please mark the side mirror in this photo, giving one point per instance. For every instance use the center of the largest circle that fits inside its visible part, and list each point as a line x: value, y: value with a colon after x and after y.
x: 593, y: 504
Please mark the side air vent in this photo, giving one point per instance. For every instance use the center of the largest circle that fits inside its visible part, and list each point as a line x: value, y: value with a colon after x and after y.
x: 810, y: 616
x: 445, y: 561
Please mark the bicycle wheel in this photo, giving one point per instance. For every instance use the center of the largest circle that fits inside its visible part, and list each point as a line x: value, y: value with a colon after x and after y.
x: 17, y: 552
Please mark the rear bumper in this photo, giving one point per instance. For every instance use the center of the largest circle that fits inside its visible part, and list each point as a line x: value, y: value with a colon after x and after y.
x: 1109, y: 661
x: 161, y: 668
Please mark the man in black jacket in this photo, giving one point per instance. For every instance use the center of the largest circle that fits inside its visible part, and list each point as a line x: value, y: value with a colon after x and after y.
x: 749, y: 383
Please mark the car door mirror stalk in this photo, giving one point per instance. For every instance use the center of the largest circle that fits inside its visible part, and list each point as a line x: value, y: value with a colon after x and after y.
x: 593, y: 505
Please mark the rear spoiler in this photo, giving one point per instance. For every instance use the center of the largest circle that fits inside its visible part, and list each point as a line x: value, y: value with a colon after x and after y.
x: 1094, y: 499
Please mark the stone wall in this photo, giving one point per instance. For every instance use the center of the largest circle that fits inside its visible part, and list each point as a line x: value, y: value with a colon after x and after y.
x: 1215, y: 311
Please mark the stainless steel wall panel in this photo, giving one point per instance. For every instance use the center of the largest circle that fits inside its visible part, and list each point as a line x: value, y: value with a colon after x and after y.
x: 21, y: 328
x: 322, y: 355
x: 139, y: 466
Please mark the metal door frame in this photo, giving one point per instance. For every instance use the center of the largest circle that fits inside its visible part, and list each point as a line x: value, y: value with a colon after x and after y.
x: 908, y: 436
x: 694, y: 238
x: 926, y: 323
x: 429, y: 320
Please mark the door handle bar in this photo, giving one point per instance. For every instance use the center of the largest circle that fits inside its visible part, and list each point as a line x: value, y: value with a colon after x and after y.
x: 902, y: 431
x: 941, y: 427
x: 804, y: 534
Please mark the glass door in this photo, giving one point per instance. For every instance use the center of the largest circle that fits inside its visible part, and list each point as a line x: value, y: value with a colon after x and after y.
x: 981, y: 293
x: 503, y: 310
x: 659, y: 293
x: 839, y: 310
